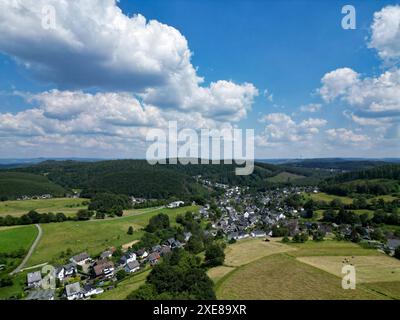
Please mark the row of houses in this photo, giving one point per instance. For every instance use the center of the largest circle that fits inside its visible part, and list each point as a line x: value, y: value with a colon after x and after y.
x: 96, y: 271
x: 35, y: 197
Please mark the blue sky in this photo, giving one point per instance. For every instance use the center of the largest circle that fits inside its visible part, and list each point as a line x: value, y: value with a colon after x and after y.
x: 284, y: 47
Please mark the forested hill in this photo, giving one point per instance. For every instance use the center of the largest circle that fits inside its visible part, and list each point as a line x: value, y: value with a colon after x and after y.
x: 138, y: 178
x: 17, y: 184
x: 389, y: 171
x: 376, y: 181
x: 131, y: 177
x: 336, y: 163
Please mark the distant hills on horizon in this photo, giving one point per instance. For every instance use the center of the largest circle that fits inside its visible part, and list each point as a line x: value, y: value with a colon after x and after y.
x: 15, y: 161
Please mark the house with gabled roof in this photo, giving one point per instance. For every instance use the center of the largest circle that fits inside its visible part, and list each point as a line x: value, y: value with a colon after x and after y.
x: 74, y: 291
x: 34, y: 279
x: 80, y: 259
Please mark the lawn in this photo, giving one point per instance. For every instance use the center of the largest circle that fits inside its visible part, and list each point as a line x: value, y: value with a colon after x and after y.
x: 281, y: 276
x: 125, y: 287
x: 68, y: 206
x: 12, y: 239
x: 93, y: 236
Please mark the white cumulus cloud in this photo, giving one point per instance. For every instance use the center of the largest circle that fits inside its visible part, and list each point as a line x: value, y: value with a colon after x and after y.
x: 95, y: 45
x: 385, y: 33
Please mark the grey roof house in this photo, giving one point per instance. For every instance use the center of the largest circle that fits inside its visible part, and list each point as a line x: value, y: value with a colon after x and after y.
x: 34, y: 279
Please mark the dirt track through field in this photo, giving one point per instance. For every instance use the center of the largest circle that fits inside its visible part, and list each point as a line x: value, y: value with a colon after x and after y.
x: 32, y: 248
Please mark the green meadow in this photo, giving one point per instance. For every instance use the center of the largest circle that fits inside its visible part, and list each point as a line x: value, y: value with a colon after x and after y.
x: 94, y: 236
x: 68, y: 206
x: 15, y: 238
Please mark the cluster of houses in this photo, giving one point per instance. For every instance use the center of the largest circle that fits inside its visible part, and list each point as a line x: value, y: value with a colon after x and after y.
x: 84, y: 277
x: 243, y: 217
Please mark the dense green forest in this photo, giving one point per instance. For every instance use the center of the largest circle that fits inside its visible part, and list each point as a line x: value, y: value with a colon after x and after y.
x: 388, y: 171
x: 336, y: 164
x: 140, y: 179
x: 15, y: 184
x: 376, y: 181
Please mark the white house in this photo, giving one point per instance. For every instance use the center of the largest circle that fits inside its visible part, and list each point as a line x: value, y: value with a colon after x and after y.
x: 74, y: 291
x: 258, y: 234
x: 90, y: 290
x: 132, y: 266
x: 69, y: 270
x: 175, y: 204
x: 59, y: 273
x: 80, y: 259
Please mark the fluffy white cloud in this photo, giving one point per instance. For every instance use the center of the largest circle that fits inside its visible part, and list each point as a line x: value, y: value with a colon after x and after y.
x: 281, y: 128
x: 312, y: 107
x: 385, y: 35
x: 74, y: 121
x: 94, y: 44
x: 346, y: 136
x: 375, y: 100
x: 337, y: 83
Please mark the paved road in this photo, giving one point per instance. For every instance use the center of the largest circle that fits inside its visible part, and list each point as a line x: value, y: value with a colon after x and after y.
x: 33, y: 246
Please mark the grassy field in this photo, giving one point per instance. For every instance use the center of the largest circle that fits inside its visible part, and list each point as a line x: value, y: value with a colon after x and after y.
x: 386, y: 198
x: 280, y: 276
x: 217, y: 273
x: 68, y: 206
x: 389, y: 289
x: 12, y: 239
x: 368, y: 268
x: 322, y: 196
x: 311, y: 270
x: 245, y: 251
x: 331, y: 248
x: 125, y: 287
x: 93, y: 236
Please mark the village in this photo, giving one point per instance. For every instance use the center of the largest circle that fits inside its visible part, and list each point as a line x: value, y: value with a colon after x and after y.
x: 236, y: 214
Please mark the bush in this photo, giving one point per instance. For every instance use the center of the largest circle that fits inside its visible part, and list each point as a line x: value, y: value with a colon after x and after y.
x: 130, y: 230
x: 285, y: 239
x: 6, y: 282
x: 318, y: 235
x: 214, y: 255
x: 300, y: 237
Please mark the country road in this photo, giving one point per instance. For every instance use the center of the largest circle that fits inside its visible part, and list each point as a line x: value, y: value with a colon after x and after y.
x: 32, y: 248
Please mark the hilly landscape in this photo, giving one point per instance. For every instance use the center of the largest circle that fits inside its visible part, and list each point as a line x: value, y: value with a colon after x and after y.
x: 16, y: 184
x: 140, y: 179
